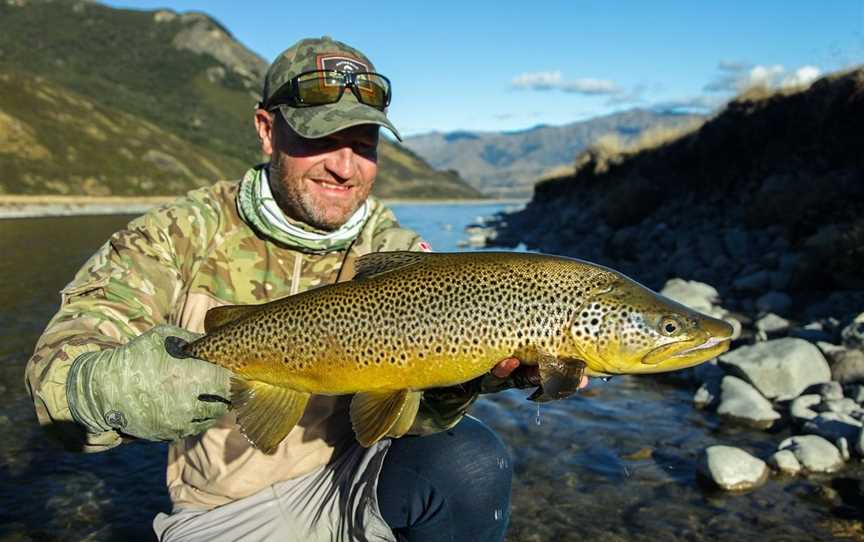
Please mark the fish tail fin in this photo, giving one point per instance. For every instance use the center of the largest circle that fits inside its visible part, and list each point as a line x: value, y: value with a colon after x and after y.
x: 266, y: 413
x: 375, y: 415
x: 559, y: 378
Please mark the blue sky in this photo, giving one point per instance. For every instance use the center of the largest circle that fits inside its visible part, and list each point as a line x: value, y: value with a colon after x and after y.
x: 485, y: 65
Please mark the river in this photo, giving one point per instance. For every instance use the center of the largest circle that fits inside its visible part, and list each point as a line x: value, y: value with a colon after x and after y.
x: 617, y: 462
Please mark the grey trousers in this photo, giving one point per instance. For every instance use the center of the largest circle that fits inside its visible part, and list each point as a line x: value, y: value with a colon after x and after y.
x: 336, y: 502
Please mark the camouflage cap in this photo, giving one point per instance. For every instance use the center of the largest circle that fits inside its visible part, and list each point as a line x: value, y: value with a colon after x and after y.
x: 322, y: 120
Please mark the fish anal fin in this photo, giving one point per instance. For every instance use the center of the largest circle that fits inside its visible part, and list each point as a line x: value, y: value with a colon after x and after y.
x: 219, y: 316
x: 559, y: 378
x: 406, y: 418
x: 376, y: 263
x: 266, y: 413
x: 374, y: 414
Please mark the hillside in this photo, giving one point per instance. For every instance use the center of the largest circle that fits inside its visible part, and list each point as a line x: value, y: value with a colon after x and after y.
x: 123, y: 102
x: 765, y: 199
x: 509, y: 163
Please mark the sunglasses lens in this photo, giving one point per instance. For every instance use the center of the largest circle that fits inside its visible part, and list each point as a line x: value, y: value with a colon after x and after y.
x: 374, y: 90
x: 323, y: 87
x: 319, y: 88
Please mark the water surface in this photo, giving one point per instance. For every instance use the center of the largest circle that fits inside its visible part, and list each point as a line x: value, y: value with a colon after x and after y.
x: 615, y: 463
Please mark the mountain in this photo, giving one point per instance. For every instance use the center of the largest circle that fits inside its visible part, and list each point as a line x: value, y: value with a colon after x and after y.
x: 102, y: 101
x: 509, y: 163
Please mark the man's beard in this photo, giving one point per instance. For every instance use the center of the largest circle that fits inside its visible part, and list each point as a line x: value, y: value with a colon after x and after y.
x: 298, y: 203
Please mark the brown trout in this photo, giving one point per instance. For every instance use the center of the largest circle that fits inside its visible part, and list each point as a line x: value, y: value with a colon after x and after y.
x: 409, y: 321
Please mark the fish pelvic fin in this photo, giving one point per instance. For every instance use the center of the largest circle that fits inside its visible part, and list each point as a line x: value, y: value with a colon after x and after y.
x: 375, y: 415
x: 559, y: 378
x: 220, y: 316
x: 376, y: 263
x: 266, y: 413
x: 408, y: 415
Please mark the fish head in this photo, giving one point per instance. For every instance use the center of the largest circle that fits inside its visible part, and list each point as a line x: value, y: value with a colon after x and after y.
x: 626, y: 328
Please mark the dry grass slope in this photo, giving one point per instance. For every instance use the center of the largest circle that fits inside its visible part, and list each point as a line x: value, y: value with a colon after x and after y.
x: 171, y: 110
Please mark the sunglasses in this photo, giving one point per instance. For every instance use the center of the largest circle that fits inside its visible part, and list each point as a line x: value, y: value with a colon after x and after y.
x: 322, y: 87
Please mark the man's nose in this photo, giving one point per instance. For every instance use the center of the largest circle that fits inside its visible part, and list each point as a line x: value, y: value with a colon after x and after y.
x: 340, y: 162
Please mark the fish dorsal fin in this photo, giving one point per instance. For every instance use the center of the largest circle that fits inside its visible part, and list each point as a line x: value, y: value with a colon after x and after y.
x: 219, y: 316
x: 376, y: 263
x: 266, y: 413
x: 376, y: 414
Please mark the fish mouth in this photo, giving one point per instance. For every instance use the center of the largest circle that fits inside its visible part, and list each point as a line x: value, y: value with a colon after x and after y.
x: 713, y: 343
x: 670, y: 357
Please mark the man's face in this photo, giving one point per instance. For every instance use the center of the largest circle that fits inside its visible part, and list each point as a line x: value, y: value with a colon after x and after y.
x: 323, y: 181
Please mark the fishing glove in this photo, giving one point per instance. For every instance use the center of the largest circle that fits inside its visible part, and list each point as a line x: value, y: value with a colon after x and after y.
x: 442, y: 408
x: 139, y: 390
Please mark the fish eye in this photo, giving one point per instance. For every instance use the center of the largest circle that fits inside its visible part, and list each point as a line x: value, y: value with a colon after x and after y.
x: 670, y: 326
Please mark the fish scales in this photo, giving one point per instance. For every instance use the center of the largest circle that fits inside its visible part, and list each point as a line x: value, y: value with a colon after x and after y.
x: 412, y: 321
x: 434, y: 324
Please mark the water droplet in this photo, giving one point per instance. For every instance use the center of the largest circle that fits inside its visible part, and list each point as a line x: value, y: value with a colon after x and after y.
x: 538, y: 420
x: 605, y: 378
x: 497, y: 514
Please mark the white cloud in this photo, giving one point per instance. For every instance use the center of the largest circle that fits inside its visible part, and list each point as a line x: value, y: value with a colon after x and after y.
x: 554, y: 80
x: 590, y: 86
x: 802, y: 76
x: 538, y: 80
x: 737, y: 76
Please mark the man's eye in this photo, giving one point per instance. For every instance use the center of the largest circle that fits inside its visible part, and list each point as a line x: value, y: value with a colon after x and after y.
x: 365, y: 148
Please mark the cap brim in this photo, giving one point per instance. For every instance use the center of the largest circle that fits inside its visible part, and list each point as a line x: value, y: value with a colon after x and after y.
x: 323, y: 120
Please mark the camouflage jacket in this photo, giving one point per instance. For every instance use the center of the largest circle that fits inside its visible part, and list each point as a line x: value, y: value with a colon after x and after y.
x: 170, y: 266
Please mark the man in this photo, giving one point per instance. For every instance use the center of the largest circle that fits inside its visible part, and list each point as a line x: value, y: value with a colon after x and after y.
x: 100, y: 373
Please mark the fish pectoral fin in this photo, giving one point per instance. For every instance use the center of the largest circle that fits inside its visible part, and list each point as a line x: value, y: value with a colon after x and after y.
x: 376, y: 263
x: 375, y: 414
x: 559, y: 378
x: 266, y: 413
x: 219, y: 316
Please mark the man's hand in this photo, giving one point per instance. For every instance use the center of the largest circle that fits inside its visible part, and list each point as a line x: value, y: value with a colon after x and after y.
x: 509, y: 373
x: 442, y: 408
x: 138, y: 389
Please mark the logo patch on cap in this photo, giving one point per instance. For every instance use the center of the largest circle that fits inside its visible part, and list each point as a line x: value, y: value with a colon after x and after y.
x: 344, y: 64
x: 341, y: 63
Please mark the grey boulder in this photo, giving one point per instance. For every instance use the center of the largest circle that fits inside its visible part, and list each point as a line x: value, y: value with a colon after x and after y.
x: 848, y: 367
x: 853, y: 334
x: 813, y: 452
x: 801, y: 409
x: 779, y: 369
x: 696, y: 295
x: 771, y: 323
x: 733, y: 469
x: 785, y: 462
x: 743, y: 403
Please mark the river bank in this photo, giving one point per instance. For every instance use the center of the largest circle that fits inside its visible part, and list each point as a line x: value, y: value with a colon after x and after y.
x: 21, y: 206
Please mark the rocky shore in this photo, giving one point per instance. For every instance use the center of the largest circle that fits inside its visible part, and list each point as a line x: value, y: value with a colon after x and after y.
x: 757, y: 217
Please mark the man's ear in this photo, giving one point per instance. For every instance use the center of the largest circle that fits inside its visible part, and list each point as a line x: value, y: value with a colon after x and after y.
x: 264, y: 125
